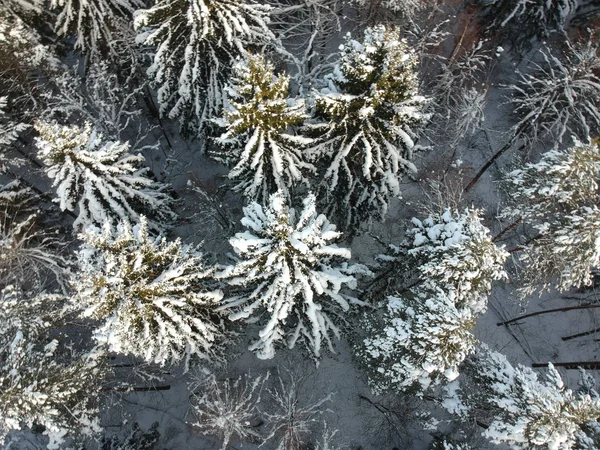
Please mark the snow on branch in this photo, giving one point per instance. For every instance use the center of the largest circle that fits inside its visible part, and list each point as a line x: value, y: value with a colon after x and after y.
x: 102, y: 179
x: 92, y: 22
x: 150, y: 295
x: 288, y: 270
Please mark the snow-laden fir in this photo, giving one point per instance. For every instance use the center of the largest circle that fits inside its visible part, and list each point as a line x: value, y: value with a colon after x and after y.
x: 522, y: 408
x: 43, y: 381
x: 558, y: 197
x: 259, y: 114
x: 196, y: 43
x: 289, y: 273
x: 149, y: 295
x: 424, y: 332
x: 366, y: 126
x: 99, y: 178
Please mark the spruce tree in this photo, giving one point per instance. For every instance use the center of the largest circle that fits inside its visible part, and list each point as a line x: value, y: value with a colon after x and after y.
x: 266, y: 158
x: 150, y: 295
x: 196, y: 43
x: 101, y: 179
x: 288, y: 272
x: 367, y: 125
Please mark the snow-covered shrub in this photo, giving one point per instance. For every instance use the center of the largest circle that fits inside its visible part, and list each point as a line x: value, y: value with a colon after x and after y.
x: 227, y: 408
x: 558, y: 197
x: 197, y: 42
x: 150, y: 295
x: 523, y: 19
x: 289, y: 418
x: 524, y: 409
x: 43, y: 382
x: 92, y: 22
x: 288, y: 272
x: 366, y: 124
x: 28, y: 255
x: 561, y: 95
x: 420, y: 341
x: 265, y: 157
x: 102, y: 179
x: 102, y: 99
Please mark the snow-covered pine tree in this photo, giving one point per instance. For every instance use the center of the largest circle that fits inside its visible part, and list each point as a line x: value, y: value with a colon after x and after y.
x: 455, y: 253
x: 197, y: 42
x: 524, y: 409
x: 558, y: 196
x: 288, y: 272
x: 419, y: 341
x: 424, y: 332
x: 44, y: 382
x: 92, y: 22
x: 451, y: 251
x: 366, y: 124
x: 102, y: 179
x: 150, y: 295
x: 521, y: 20
x: 561, y: 95
x: 266, y: 158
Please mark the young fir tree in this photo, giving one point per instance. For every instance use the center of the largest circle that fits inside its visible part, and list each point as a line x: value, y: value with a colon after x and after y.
x: 424, y: 333
x: 266, y: 158
x: 288, y: 272
x: 522, y: 408
x: 366, y: 124
x: 102, y: 179
x: 559, y: 198
x: 150, y: 295
x: 197, y: 42
x: 44, y: 382
x: 93, y: 22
